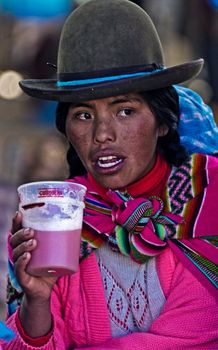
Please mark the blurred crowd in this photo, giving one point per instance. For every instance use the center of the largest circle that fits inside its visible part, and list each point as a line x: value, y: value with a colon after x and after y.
x: 30, y: 148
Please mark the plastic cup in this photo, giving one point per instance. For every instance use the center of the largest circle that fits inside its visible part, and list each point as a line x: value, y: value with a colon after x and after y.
x: 54, y: 209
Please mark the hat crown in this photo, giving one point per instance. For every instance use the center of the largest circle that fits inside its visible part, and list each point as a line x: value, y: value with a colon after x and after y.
x: 108, y: 48
x: 105, y: 35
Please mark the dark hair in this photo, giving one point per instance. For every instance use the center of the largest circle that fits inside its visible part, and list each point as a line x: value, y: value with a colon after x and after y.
x: 76, y: 167
x: 164, y: 103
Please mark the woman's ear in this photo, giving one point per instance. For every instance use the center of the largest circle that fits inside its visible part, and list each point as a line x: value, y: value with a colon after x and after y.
x: 163, y: 130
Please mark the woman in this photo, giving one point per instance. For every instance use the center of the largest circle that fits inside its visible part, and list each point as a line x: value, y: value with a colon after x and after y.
x: 146, y: 280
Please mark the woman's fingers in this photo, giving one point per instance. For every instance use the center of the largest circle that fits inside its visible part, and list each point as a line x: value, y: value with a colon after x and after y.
x: 23, y: 248
x: 21, y: 236
x: 22, y: 242
x: 21, y: 263
x: 16, y: 222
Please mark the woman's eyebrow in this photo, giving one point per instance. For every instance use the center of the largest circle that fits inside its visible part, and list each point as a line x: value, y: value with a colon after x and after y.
x: 120, y: 99
x: 124, y: 99
x: 82, y: 104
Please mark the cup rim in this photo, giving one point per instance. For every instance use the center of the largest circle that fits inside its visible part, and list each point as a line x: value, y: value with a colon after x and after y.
x: 51, y: 182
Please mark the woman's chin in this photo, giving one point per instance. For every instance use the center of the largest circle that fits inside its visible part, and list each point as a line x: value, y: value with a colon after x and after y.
x: 113, y: 182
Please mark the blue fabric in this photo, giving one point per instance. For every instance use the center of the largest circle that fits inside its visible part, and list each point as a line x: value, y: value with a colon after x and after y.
x: 13, y: 304
x: 214, y: 4
x: 6, y: 334
x: 197, y: 128
x: 13, y: 278
x: 41, y: 9
x: 104, y: 79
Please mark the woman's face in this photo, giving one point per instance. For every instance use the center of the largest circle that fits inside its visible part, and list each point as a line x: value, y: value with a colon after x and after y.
x: 115, y: 138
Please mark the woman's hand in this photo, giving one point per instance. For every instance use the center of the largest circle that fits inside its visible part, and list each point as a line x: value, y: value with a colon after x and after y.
x: 35, y: 312
x: 23, y: 243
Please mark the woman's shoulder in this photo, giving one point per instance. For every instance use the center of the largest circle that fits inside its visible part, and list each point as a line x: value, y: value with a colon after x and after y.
x: 211, y: 158
x: 199, y: 169
x: 172, y: 272
x: 175, y: 277
x: 206, y: 166
x: 200, y: 160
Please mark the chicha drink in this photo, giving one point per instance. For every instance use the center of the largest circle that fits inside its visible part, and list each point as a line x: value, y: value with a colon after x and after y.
x: 55, y: 213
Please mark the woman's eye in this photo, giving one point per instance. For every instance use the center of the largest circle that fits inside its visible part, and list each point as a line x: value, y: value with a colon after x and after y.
x: 82, y: 115
x: 126, y: 112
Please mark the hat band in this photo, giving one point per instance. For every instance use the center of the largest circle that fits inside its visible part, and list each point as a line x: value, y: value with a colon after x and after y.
x: 105, y: 79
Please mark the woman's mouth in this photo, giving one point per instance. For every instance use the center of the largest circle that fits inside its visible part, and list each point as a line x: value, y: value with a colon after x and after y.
x: 108, y: 161
x: 109, y: 164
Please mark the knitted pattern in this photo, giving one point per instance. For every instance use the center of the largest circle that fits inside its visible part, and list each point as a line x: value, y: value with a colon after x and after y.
x: 131, y: 306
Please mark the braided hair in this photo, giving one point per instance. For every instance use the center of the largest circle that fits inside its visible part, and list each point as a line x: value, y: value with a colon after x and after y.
x: 164, y: 103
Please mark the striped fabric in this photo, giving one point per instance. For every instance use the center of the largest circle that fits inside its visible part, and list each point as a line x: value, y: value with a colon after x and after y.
x: 172, y: 224
x: 143, y: 227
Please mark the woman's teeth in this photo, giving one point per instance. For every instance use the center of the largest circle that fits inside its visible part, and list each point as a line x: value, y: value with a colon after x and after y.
x: 107, y: 162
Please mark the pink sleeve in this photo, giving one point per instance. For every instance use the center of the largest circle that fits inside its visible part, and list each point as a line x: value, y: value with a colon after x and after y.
x: 68, y: 319
x: 54, y: 343
x: 189, y: 320
x: 58, y: 339
x: 74, y: 312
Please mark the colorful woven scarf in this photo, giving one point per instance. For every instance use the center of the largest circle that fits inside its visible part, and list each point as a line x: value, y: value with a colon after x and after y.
x: 142, y: 227
x: 136, y: 227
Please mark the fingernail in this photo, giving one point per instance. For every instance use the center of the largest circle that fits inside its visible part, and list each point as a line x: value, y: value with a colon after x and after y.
x: 30, y: 242
x: 25, y: 255
x: 26, y: 231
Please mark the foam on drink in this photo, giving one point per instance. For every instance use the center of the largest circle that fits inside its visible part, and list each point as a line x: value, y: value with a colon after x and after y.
x: 62, y: 219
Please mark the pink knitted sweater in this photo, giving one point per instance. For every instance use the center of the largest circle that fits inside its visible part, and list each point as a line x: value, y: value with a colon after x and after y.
x: 189, y: 319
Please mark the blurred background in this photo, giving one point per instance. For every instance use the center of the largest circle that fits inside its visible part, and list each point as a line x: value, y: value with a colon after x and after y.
x: 30, y: 147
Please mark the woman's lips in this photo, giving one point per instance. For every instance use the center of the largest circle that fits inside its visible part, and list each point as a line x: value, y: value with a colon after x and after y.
x: 108, y: 161
x: 108, y: 164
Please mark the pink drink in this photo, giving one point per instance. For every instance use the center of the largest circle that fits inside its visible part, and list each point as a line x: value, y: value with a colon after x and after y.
x: 54, y: 210
x: 56, y: 254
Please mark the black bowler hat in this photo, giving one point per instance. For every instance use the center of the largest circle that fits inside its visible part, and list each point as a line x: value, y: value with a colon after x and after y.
x: 108, y: 48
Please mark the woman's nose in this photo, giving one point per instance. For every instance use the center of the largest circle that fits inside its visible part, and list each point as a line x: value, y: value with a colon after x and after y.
x: 104, y: 131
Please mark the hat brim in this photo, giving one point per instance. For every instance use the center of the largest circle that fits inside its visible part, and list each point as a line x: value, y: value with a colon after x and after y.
x: 47, y: 89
